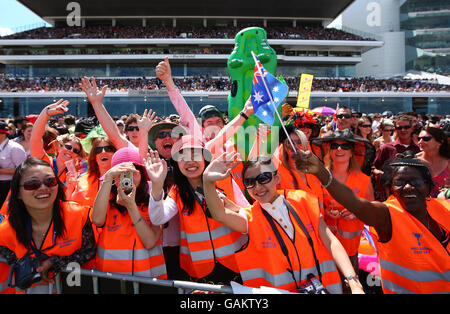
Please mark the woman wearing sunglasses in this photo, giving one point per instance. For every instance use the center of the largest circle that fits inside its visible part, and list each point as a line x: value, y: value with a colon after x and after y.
x: 288, y: 242
x: 411, y: 229
x: 70, y: 148
x: 339, y: 159
x: 128, y: 243
x: 435, y: 152
x: 43, y: 227
x: 99, y: 162
x: 364, y: 129
x: 387, y: 131
x: 206, y: 246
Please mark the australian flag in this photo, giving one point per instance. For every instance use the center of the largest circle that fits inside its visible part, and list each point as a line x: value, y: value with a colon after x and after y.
x: 262, y: 93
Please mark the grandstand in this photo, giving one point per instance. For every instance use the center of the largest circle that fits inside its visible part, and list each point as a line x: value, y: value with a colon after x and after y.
x: 121, y: 45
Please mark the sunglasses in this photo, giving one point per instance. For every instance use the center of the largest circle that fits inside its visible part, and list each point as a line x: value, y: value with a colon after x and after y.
x: 69, y: 147
x: 365, y: 126
x: 404, y: 127
x: 36, y: 184
x: 425, y: 138
x: 263, y: 178
x: 414, y: 182
x: 344, y: 146
x: 346, y: 116
x: 106, y: 149
x: 356, y: 116
x: 132, y: 128
x: 164, y: 134
x: 388, y: 130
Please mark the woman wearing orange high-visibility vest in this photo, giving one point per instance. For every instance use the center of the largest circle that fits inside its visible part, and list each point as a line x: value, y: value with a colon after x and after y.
x: 41, y: 228
x: 128, y: 243
x: 411, y: 228
x: 339, y: 158
x: 288, y: 242
x: 206, y: 246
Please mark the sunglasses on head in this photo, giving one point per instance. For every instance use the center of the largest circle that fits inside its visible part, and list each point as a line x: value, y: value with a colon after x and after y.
x: 36, y: 184
x: 70, y: 147
x: 404, y: 127
x: 263, y: 178
x: 344, y: 146
x: 106, y: 149
x: 346, y: 116
x: 132, y: 128
x: 425, y: 138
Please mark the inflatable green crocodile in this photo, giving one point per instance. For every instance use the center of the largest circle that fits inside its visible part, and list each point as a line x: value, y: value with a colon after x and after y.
x: 241, y: 68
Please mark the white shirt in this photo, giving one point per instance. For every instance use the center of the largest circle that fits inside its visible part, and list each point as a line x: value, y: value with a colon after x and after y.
x: 12, y: 155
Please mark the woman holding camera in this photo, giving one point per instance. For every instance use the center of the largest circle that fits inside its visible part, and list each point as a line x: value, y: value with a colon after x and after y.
x: 42, y: 232
x: 128, y: 243
x: 289, y: 245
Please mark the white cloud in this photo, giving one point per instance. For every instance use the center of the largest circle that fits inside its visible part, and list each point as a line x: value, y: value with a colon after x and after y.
x: 5, y: 31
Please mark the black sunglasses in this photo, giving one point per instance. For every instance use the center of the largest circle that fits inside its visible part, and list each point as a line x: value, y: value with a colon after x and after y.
x: 263, y: 178
x: 413, y: 182
x: 404, y: 127
x: 69, y: 147
x: 344, y: 146
x: 365, y: 126
x: 346, y: 116
x: 132, y: 128
x: 36, y: 184
x: 164, y: 134
x: 106, y: 149
x: 425, y: 138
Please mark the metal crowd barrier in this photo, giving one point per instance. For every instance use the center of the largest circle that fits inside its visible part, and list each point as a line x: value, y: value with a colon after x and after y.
x: 177, y: 284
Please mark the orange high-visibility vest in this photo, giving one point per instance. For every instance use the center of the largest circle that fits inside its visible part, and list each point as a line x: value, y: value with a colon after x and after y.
x: 290, y: 180
x: 413, y: 260
x: 120, y: 250
x: 86, y: 191
x: 262, y: 262
x: 74, y: 216
x: 347, y: 231
x: 203, y: 241
x: 4, y: 268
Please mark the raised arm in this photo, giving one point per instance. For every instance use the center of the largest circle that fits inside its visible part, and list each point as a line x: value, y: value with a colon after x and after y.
x: 371, y: 213
x: 95, y: 96
x: 230, y: 128
x: 187, y: 117
x: 37, y: 146
x: 145, y: 123
x: 219, y: 169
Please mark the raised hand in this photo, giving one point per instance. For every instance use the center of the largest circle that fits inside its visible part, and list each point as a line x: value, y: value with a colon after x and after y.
x: 146, y: 121
x: 221, y: 167
x: 307, y: 162
x: 163, y: 70
x: 59, y: 107
x: 93, y: 93
x: 156, y: 169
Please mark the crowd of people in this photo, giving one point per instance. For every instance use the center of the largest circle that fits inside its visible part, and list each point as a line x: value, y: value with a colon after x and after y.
x: 208, y: 83
x: 306, y: 32
x: 174, y: 198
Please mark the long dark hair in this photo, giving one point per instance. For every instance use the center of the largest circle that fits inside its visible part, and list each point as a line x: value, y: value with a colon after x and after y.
x: 440, y: 136
x: 17, y: 211
x: 185, y: 190
x: 142, y: 193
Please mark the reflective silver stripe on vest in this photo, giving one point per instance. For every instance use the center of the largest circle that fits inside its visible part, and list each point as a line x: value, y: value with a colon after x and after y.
x: 204, y: 235
x: 208, y: 254
x: 285, y: 278
x: 349, y: 235
x: 127, y: 255
x: 4, y: 285
x: 153, y: 272
x: 414, y: 275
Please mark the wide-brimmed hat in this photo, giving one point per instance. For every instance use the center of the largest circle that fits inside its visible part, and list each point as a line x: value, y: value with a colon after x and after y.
x: 161, y: 126
x: 363, y: 149
x: 188, y: 142
x: 301, y: 117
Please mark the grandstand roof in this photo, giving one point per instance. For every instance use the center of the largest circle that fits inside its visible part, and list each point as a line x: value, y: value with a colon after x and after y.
x: 300, y: 9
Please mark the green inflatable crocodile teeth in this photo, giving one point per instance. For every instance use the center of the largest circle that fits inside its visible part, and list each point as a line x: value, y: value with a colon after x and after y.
x: 241, y: 68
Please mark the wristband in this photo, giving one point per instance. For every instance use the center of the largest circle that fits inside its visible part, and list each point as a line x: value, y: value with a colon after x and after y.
x: 329, y: 180
x: 243, y: 115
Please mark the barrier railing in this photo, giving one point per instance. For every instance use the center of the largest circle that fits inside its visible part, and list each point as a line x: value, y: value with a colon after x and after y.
x: 136, y: 280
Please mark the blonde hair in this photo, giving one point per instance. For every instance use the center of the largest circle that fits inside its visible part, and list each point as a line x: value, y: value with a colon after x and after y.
x: 65, y: 138
x: 353, y: 164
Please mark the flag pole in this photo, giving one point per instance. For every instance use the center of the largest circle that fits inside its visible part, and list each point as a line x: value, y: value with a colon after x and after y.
x: 273, y: 104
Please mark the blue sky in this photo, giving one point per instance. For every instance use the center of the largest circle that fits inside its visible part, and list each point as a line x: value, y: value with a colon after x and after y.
x: 14, y: 16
